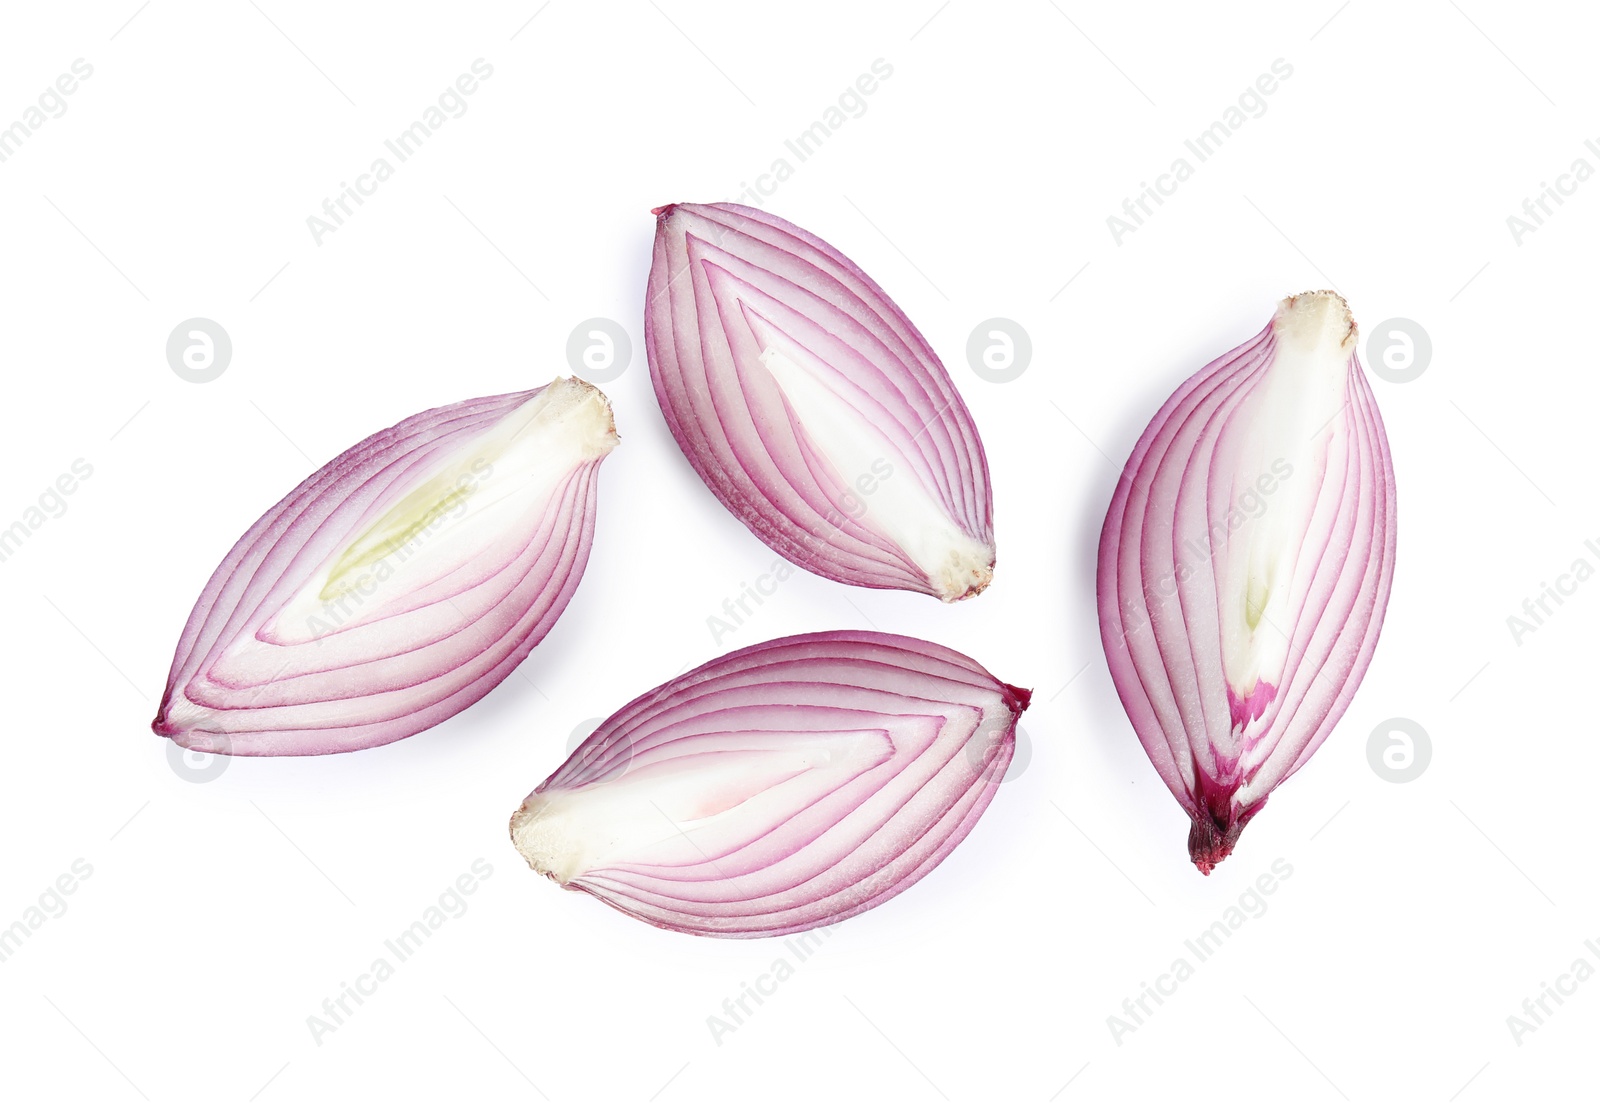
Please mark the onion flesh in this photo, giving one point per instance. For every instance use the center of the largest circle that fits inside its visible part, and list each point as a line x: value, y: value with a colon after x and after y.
x: 1245, y: 565
x: 812, y: 407
x: 781, y: 787
x: 398, y: 584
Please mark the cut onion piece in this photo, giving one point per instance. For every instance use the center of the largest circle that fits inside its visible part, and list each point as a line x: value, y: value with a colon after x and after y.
x: 1245, y: 565
x: 781, y: 787
x: 396, y: 585
x: 811, y: 406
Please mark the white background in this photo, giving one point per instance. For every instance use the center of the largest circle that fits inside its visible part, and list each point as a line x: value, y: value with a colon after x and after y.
x: 220, y: 915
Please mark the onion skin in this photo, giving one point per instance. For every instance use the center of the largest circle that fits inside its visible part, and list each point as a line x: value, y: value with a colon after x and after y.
x: 782, y: 787
x: 792, y: 383
x: 398, y: 584
x: 1245, y: 565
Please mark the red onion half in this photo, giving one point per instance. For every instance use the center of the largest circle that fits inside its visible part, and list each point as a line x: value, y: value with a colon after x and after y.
x: 1245, y: 565
x: 811, y: 406
x: 781, y: 787
x: 396, y: 585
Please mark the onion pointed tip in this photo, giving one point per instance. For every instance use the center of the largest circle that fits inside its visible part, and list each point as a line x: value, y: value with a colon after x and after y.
x: 1316, y: 317
x: 1020, y: 698
x: 1209, y: 845
x: 966, y: 575
x: 530, y: 835
x: 575, y: 393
